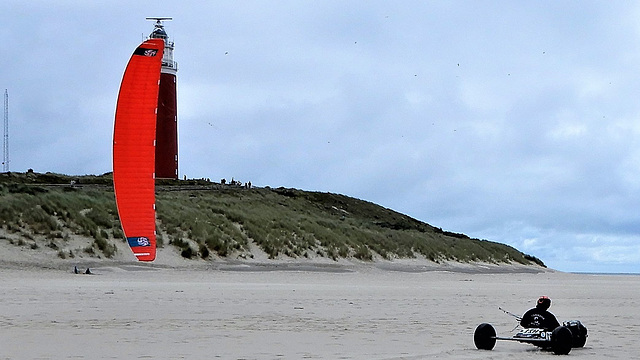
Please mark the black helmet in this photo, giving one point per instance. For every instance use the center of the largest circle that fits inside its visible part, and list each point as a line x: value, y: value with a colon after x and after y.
x: 543, y: 303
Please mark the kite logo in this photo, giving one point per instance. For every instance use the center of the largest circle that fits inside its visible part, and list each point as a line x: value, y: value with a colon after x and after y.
x: 139, y: 241
x: 146, y: 52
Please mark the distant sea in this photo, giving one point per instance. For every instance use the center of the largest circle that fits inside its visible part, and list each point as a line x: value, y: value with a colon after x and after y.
x: 604, y: 273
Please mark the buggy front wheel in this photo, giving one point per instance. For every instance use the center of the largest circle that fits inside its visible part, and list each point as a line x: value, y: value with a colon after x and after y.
x: 485, y: 337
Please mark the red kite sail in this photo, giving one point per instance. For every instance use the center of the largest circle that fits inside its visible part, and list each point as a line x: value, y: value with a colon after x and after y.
x: 134, y: 142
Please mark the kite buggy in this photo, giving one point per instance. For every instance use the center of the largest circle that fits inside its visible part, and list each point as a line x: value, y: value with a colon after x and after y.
x: 558, y: 338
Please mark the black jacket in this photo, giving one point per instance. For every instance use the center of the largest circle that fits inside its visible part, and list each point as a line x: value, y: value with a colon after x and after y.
x: 538, y: 318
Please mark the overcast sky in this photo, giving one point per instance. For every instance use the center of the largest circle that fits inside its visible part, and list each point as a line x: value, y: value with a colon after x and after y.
x: 513, y: 121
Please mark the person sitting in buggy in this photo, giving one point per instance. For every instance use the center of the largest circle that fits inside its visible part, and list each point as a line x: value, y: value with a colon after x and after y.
x: 539, y: 316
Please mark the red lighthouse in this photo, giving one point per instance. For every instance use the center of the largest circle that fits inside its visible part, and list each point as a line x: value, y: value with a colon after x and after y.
x: 167, y: 117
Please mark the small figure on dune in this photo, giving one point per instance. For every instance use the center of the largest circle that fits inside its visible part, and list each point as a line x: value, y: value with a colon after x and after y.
x: 76, y: 271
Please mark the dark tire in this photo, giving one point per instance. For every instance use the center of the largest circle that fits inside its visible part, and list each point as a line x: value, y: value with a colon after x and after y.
x: 561, y: 340
x: 485, y: 337
x: 579, y: 332
x: 580, y: 339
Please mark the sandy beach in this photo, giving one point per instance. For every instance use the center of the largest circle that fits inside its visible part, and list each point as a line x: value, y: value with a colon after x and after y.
x: 270, y: 312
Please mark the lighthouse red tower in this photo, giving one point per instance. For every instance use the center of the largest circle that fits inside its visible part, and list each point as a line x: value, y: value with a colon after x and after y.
x: 167, y: 118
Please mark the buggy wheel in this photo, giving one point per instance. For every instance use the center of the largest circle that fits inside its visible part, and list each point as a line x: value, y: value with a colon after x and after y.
x: 579, y: 332
x: 561, y: 340
x: 580, y: 339
x: 485, y: 337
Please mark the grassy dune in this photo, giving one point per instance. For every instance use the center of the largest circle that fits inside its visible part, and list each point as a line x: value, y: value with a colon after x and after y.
x: 205, y: 219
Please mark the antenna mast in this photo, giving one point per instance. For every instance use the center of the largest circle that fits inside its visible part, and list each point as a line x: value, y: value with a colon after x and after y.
x: 159, y: 20
x: 5, y: 148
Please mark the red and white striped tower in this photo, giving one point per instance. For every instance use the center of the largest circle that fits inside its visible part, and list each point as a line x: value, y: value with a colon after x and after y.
x: 167, y: 118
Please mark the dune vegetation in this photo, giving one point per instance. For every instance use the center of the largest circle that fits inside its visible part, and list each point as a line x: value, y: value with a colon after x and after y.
x: 209, y: 220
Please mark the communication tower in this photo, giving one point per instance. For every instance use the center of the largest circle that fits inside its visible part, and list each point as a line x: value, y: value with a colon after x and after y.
x: 167, y: 118
x: 5, y: 147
